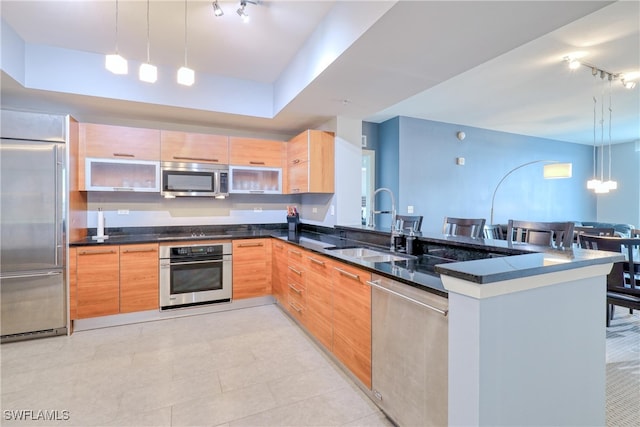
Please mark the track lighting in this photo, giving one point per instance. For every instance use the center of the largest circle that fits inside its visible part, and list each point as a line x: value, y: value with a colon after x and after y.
x: 628, y: 84
x: 217, y: 10
x: 241, y: 11
x: 574, y: 64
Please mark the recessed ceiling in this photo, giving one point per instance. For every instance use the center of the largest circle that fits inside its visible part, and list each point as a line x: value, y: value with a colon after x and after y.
x: 493, y: 65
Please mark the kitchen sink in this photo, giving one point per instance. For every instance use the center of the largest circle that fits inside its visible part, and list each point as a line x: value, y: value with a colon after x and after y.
x: 369, y: 255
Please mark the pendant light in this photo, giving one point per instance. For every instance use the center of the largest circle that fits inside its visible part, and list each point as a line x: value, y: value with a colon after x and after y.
x: 186, y: 76
x: 114, y: 62
x: 148, y: 73
x: 610, y: 184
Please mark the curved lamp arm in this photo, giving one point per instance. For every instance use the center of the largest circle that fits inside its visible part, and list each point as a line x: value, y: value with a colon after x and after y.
x: 493, y: 198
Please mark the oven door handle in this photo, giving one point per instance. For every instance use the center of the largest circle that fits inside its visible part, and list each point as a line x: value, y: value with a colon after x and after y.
x: 197, y: 262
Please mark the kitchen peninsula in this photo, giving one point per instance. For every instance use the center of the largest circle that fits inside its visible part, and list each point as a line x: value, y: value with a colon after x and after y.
x: 524, y: 323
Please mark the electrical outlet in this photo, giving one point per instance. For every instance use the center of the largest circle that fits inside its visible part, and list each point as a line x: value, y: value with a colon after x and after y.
x: 314, y: 210
x: 123, y: 211
x: 460, y: 161
x: 410, y: 209
x: 333, y: 210
x: 257, y: 209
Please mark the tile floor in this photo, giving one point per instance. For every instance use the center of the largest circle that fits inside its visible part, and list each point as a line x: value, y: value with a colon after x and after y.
x: 247, y: 367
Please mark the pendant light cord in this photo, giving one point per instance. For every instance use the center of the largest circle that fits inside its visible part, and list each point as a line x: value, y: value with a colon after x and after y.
x: 185, y: 33
x: 610, y: 116
x: 117, y: 53
x: 148, y: 56
x: 602, y: 131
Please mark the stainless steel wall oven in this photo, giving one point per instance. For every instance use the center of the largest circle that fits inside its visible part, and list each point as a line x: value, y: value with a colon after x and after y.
x: 195, y: 274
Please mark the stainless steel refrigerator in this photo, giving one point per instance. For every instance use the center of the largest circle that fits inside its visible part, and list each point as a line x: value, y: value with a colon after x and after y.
x: 32, y: 220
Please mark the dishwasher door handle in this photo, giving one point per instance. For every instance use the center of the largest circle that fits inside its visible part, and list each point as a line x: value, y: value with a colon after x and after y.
x: 415, y: 301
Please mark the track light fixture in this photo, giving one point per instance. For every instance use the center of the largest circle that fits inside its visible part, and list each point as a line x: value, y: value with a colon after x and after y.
x: 217, y: 10
x: 242, y: 10
x: 574, y: 64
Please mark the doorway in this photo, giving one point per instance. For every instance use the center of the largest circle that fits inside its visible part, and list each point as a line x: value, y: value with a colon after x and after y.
x: 368, y: 183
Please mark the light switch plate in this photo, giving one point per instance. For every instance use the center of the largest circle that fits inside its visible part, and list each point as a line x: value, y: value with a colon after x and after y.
x: 410, y: 209
x: 123, y: 211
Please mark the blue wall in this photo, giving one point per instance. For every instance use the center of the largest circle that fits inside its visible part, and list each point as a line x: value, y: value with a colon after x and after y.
x: 387, y: 164
x: 428, y: 178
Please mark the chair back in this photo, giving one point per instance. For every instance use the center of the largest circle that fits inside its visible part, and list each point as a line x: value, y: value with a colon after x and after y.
x: 552, y: 234
x: 593, y: 231
x: 625, y: 275
x: 409, y: 222
x: 493, y: 231
x: 470, y: 227
x: 635, y: 233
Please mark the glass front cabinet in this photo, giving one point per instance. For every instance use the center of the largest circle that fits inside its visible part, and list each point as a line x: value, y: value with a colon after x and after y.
x: 122, y: 175
x: 251, y: 180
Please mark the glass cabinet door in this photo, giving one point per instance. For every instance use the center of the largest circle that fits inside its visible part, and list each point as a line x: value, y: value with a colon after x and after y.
x: 122, y: 175
x: 250, y: 180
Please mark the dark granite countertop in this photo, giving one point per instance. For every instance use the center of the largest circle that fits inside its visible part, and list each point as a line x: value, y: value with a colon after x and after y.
x: 476, y: 260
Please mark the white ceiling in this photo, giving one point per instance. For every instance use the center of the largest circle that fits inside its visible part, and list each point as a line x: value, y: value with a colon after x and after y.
x: 493, y: 65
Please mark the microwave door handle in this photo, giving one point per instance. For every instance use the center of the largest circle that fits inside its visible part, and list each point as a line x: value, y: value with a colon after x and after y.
x: 216, y: 190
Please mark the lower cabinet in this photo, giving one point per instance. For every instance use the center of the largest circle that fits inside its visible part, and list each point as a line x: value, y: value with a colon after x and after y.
x: 113, y: 279
x: 139, y: 278
x: 279, y: 271
x: 251, y: 268
x: 98, y: 275
x: 331, y: 300
x: 320, y: 298
x: 352, y: 320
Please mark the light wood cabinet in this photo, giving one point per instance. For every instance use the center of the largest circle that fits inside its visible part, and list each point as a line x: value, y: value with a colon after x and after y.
x: 251, y: 268
x: 139, y: 278
x: 255, y: 152
x: 73, y: 284
x: 352, y: 320
x: 279, y: 271
x: 194, y: 147
x: 98, y: 281
x: 310, y: 162
x: 119, y: 142
x: 296, y: 284
x: 319, y: 301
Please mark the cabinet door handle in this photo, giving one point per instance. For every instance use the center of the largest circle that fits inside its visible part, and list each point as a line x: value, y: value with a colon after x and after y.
x: 122, y: 188
x: 398, y: 294
x: 294, y: 289
x: 256, y: 191
x: 346, y: 273
x: 299, y: 273
x: 317, y: 261
x: 291, y: 251
x: 123, y: 155
x: 99, y: 252
x: 249, y: 245
x: 295, y: 190
x: 251, y: 162
x: 295, y: 161
x: 296, y: 308
x: 204, y: 159
x: 278, y: 246
x: 130, y: 251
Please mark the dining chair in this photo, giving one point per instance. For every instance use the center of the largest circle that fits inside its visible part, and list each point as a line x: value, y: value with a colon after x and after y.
x: 552, y: 234
x: 635, y: 233
x: 593, y: 231
x: 493, y: 231
x: 623, y: 283
x: 470, y: 227
x: 409, y: 222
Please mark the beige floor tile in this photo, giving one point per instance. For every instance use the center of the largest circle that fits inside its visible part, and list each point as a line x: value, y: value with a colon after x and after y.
x: 308, y: 384
x: 223, y: 408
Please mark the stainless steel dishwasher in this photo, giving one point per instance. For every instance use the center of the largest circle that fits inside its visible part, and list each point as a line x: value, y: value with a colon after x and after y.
x: 409, y: 353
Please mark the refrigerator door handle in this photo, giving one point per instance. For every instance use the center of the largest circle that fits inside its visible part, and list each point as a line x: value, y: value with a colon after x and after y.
x: 21, y: 276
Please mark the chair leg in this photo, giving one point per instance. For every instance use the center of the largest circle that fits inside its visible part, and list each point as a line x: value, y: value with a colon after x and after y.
x: 613, y: 310
x: 608, y: 315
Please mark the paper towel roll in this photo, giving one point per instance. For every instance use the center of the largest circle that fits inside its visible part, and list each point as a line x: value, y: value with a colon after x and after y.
x: 100, y: 228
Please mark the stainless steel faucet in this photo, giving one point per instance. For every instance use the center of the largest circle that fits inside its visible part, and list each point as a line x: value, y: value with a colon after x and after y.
x: 392, y: 212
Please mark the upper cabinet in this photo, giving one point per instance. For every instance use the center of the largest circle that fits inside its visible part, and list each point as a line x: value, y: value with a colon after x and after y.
x: 194, y: 147
x: 255, y: 152
x: 119, y: 142
x: 118, y: 158
x: 310, y: 162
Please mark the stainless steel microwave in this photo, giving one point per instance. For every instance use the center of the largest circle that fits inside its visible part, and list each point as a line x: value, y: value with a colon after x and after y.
x: 194, y: 179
